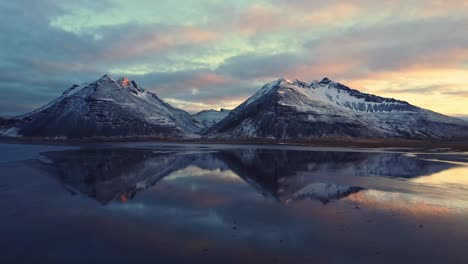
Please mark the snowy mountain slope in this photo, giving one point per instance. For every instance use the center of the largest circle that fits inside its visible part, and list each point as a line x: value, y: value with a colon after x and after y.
x: 297, y: 110
x: 6, y: 124
x: 106, y: 108
x: 210, y: 117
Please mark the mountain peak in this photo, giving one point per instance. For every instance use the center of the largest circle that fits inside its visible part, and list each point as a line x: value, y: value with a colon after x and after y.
x: 105, y: 77
x: 105, y: 108
x: 124, y: 81
x: 283, y: 80
x: 300, y: 83
x: 325, y: 81
x: 131, y: 85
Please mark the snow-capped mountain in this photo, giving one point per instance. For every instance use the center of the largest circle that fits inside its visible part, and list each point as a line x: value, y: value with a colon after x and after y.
x: 210, y: 117
x: 281, y: 110
x: 106, y: 108
x: 297, y: 110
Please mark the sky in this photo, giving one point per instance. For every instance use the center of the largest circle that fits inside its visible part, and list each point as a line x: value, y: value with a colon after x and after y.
x: 203, y: 54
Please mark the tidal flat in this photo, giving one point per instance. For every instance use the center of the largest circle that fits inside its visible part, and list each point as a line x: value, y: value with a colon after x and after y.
x: 217, y: 203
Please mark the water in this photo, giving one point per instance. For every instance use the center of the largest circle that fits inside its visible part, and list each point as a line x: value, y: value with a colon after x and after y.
x: 182, y: 203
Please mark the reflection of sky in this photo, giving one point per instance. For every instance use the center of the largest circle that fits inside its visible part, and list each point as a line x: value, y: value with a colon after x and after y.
x: 196, y: 215
x: 212, y: 201
x: 453, y: 178
x: 410, y: 203
x: 440, y: 193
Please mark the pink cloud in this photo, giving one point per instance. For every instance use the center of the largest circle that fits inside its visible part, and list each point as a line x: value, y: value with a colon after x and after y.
x: 148, y: 41
x: 259, y: 18
x: 208, y: 78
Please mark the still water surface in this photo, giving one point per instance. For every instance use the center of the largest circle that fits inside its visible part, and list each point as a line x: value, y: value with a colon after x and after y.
x: 182, y: 203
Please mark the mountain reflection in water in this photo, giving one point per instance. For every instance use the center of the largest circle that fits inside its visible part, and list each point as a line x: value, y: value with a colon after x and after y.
x: 285, y: 175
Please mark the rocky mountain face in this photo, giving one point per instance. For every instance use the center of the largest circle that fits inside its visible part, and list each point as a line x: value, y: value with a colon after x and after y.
x: 106, y: 108
x: 210, y: 117
x: 299, y: 111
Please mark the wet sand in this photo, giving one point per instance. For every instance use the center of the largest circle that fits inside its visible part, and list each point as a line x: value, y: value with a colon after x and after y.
x: 180, y: 203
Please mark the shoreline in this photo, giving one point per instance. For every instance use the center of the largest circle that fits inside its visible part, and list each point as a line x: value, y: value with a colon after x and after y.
x: 455, y: 144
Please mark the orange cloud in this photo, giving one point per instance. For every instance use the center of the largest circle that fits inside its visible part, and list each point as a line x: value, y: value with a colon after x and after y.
x: 150, y: 42
x: 434, y: 88
x: 204, y: 79
x: 259, y: 18
x: 337, y: 13
x: 327, y: 69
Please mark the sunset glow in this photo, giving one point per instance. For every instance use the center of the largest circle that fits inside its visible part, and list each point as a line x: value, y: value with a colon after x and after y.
x: 212, y: 54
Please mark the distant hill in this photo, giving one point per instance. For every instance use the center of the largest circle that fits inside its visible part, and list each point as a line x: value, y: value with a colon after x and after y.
x: 210, y: 117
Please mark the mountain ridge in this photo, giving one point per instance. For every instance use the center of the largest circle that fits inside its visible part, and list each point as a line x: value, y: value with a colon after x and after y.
x: 280, y: 110
x: 106, y: 108
x: 210, y: 117
x: 296, y: 110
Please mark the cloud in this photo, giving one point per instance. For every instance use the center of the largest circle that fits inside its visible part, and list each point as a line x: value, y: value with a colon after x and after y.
x: 457, y: 93
x: 216, y: 54
x: 395, y: 46
x: 213, y: 88
x: 134, y: 42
